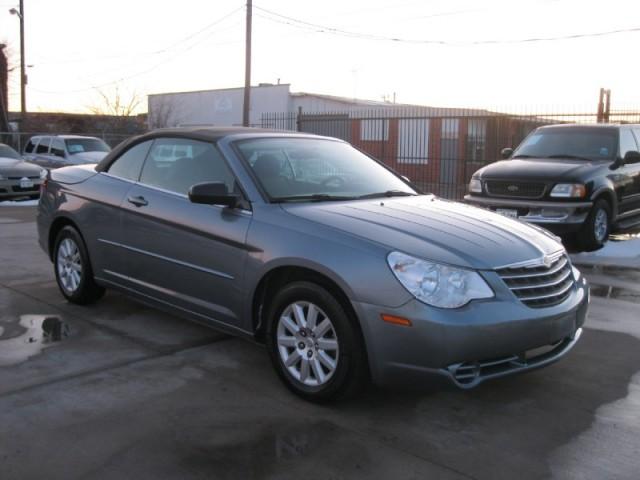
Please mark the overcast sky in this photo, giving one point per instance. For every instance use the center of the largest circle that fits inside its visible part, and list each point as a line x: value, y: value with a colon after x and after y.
x: 143, y: 46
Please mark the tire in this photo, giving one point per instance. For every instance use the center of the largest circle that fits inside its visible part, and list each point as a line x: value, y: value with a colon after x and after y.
x: 595, y: 230
x: 73, y: 268
x: 336, y: 348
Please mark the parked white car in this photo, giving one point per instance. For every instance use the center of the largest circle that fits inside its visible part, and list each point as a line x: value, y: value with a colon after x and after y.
x: 55, y: 151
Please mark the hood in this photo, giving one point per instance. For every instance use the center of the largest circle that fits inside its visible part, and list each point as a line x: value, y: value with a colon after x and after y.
x: 72, y: 174
x: 538, y: 169
x: 18, y: 168
x: 87, y: 157
x: 435, y: 229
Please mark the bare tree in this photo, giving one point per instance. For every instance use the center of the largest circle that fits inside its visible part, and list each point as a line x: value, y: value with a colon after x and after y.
x: 116, y: 104
x: 163, y: 112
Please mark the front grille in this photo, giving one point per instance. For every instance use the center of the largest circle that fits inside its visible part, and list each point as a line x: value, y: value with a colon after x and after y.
x: 540, y: 286
x: 514, y: 189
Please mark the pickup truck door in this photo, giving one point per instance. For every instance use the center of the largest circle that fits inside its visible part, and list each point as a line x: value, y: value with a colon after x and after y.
x: 630, y: 197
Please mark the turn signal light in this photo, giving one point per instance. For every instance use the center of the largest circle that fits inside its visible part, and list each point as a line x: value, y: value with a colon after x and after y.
x: 405, y: 322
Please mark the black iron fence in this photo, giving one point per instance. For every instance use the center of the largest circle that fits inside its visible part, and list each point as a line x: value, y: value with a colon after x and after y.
x: 437, y: 148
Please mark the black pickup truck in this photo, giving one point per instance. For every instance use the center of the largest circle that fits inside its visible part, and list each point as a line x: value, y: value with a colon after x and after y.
x: 574, y: 180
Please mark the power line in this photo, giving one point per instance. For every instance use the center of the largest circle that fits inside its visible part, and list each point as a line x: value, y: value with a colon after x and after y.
x: 143, y: 54
x: 298, y: 23
x: 143, y: 72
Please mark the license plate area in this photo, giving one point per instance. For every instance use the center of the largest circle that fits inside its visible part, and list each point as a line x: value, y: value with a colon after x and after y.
x: 26, y: 183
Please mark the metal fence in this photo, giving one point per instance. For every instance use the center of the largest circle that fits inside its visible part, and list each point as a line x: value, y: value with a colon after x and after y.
x: 437, y: 148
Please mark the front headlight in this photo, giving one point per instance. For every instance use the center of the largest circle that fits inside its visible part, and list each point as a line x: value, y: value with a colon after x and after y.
x: 475, y: 186
x: 43, y: 174
x: 436, y: 284
x: 568, y: 190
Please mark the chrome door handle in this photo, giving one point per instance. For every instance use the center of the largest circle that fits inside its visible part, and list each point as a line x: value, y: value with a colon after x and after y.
x: 138, y: 201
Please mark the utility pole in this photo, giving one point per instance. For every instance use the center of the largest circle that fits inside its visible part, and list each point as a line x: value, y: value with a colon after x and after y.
x: 23, y: 75
x: 246, y: 107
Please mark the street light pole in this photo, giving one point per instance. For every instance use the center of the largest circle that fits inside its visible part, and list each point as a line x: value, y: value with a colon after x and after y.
x: 23, y: 74
x: 247, y: 69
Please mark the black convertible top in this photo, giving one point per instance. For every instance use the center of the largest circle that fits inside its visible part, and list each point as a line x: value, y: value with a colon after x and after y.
x: 207, y: 134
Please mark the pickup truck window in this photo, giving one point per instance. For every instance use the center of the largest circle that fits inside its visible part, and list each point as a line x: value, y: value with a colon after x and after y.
x: 585, y: 143
x: 627, y: 143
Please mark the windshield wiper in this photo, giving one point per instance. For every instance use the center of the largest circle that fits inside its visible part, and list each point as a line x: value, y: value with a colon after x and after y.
x: 315, y: 197
x: 568, y: 156
x: 388, y: 193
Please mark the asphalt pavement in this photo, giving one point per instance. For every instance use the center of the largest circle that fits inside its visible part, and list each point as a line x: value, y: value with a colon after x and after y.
x: 119, y: 390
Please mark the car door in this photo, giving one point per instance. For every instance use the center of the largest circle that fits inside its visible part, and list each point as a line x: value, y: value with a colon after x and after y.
x: 103, y: 230
x: 42, y: 153
x: 189, y: 255
x: 57, y: 155
x: 30, y: 150
x: 630, y: 172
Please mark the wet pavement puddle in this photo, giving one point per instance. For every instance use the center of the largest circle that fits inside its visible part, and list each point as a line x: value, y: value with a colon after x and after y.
x: 618, y: 293
x: 36, y: 333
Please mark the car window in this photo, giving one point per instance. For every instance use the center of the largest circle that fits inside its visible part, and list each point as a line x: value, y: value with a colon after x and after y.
x: 129, y: 164
x: 584, y: 142
x: 30, y: 145
x: 88, y: 144
x: 298, y: 168
x: 57, y: 147
x: 43, y: 146
x: 175, y: 164
x: 636, y: 132
x: 627, y: 142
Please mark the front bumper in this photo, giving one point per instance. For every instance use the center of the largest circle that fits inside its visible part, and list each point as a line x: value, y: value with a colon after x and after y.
x: 10, y: 188
x: 556, y: 216
x: 482, y: 340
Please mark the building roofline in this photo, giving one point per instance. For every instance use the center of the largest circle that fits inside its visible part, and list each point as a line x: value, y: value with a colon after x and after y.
x: 218, y: 89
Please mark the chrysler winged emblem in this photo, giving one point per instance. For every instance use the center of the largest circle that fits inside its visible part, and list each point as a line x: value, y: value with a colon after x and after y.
x: 513, y: 188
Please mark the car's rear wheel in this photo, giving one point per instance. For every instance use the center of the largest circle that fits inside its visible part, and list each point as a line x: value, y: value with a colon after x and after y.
x: 595, y: 230
x: 73, y: 268
x: 314, y: 346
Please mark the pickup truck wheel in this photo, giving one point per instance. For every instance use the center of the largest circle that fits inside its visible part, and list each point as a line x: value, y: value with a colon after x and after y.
x: 73, y: 268
x: 314, y: 346
x: 595, y: 231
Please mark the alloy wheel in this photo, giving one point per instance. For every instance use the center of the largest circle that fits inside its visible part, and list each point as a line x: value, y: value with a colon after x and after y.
x: 307, y: 343
x: 69, y: 265
x: 600, y: 225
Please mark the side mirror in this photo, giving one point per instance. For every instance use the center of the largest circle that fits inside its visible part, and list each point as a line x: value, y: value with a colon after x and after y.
x: 631, y: 157
x: 506, y: 152
x: 213, y: 193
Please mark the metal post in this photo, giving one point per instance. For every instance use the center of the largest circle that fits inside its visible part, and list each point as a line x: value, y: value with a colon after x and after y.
x: 299, y: 119
x: 247, y: 69
x: 23, y: 75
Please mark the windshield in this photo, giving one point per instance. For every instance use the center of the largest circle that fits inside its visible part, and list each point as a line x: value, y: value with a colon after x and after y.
x: 7, y: 152
x: 291, y: 169
x: 79, y: 145
x: 576, y: 143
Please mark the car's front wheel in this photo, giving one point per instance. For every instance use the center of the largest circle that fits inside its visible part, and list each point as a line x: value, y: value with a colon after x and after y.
x: 315, y: 347
x: 595, y: 231
x: 73, y: 269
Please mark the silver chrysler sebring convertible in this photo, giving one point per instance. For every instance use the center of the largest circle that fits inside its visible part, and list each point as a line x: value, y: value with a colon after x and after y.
x: 340, y: 266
